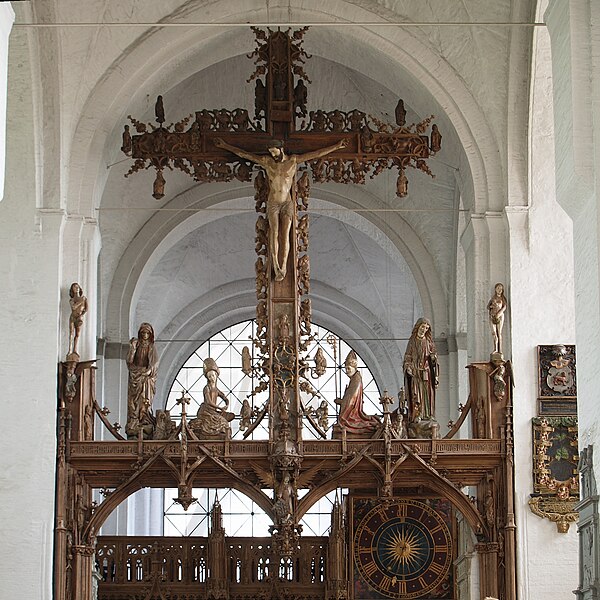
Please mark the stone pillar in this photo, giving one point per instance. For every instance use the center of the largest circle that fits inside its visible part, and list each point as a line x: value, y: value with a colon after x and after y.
x: 483, y: 242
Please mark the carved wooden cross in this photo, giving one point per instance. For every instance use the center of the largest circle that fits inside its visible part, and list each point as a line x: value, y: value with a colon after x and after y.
x: 344, y: 147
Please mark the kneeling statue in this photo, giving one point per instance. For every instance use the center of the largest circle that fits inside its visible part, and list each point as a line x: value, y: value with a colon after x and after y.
x: 212, y: 420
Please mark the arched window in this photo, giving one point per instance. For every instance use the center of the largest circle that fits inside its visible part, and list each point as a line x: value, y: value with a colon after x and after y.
x: 241, y: 515
x: 226, y: 349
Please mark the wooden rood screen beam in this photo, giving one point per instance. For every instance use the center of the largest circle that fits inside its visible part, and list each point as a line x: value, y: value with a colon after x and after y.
x: 280, y: 113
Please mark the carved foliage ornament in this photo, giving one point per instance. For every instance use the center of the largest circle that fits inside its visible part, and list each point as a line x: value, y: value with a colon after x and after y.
x: 556, y: 482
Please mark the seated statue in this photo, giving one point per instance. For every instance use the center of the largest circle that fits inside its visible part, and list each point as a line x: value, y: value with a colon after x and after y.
x: 352, y: 416
x: 212, y: 420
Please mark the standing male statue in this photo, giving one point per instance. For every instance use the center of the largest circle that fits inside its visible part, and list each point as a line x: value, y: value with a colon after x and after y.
x: 281, y: 170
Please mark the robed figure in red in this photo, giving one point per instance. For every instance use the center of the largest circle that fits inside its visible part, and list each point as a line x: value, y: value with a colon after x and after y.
x: 352, y: 416
x: 421, y: 372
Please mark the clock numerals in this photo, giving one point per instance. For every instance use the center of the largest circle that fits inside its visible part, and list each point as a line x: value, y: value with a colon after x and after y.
x: 403, y: 549
x: 386, y: 583
x: 436, y: 568
x: 402, y: 587
x: 370, y: 569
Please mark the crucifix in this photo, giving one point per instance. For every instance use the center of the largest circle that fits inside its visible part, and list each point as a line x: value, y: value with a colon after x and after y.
x: 284, y: 142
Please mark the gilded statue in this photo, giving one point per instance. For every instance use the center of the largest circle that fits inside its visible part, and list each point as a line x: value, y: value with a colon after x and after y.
x: 142, y: 362
x: 352, y: 416
x: 421, y: 372
x: 496, y: 308
x: 212, y: 419
x: 79, y: 306
x: 281, y: 171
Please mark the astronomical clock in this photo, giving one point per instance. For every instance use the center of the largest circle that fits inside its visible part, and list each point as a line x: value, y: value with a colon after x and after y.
x: 402, y: 549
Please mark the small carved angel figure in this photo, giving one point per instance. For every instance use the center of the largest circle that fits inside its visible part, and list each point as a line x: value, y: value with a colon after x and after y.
x: 300, y: 98
x: 159, y: 110
x: 127, y: 143
x: 302, y: 190
x: 245, y: 415
x: 322, y: 414
x: 70, y: 381
x: 489, y: 510
x: 402, y: 185
x: 261, y: 279
x: 246, y: 361
x: 366, y: 138
x: 436, y: 139
x: 320, y: 364
x: 304, y: 274
x: 400, y: 113
x: 165, y: 426
x: 303, y: 233
x: 158, y: 188
x: 284, y: 329
x: 305, y: 315
x: 79, y: 307
x: 260, y: 99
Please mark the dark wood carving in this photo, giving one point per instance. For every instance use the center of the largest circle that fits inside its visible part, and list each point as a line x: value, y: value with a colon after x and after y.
x: 273, y: 472
x: 279, y: 114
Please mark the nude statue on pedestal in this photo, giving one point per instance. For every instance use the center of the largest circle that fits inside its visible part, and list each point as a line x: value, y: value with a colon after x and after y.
x: 281, y: 170
x: 496, y: 308
x: 79, y: 306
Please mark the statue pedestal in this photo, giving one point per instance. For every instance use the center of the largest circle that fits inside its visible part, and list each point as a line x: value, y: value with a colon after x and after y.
x: 339, y: 433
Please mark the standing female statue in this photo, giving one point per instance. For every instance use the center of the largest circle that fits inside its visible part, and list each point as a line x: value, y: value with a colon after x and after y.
x: 421, y: 372
x: 142, y: 362
x: 352, y: 416
x: 79, y: 307
x: 497, y: 307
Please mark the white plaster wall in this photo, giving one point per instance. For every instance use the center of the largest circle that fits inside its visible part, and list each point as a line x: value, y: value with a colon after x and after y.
x: 29, y: 309
x: 575, y: 32
x: 7, y: 17
x: 541, y: 300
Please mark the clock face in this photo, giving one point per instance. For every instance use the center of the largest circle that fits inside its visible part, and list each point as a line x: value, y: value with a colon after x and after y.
x: 403, y: 549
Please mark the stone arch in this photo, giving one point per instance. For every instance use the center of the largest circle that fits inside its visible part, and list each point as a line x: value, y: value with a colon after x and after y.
x: 163, y: 230
x: 225, y: 307
x: 145, y: 66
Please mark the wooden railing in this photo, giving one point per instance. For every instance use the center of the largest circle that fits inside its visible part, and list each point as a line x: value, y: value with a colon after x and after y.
x: 129, y: 567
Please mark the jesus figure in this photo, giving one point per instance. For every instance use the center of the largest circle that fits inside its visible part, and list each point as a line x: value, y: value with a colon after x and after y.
x: 281, y: 170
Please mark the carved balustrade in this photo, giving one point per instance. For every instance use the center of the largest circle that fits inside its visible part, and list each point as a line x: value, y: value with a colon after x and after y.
x: 129, y: 565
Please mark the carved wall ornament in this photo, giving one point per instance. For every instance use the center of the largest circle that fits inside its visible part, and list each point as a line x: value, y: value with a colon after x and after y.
x: 555, y: 475
x: 557, y: 380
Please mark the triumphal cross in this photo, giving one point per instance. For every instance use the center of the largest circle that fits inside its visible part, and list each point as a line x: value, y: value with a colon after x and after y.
x: 284, y: 143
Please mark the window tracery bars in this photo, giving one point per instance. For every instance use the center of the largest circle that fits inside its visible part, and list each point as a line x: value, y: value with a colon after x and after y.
x: 225, y: 347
